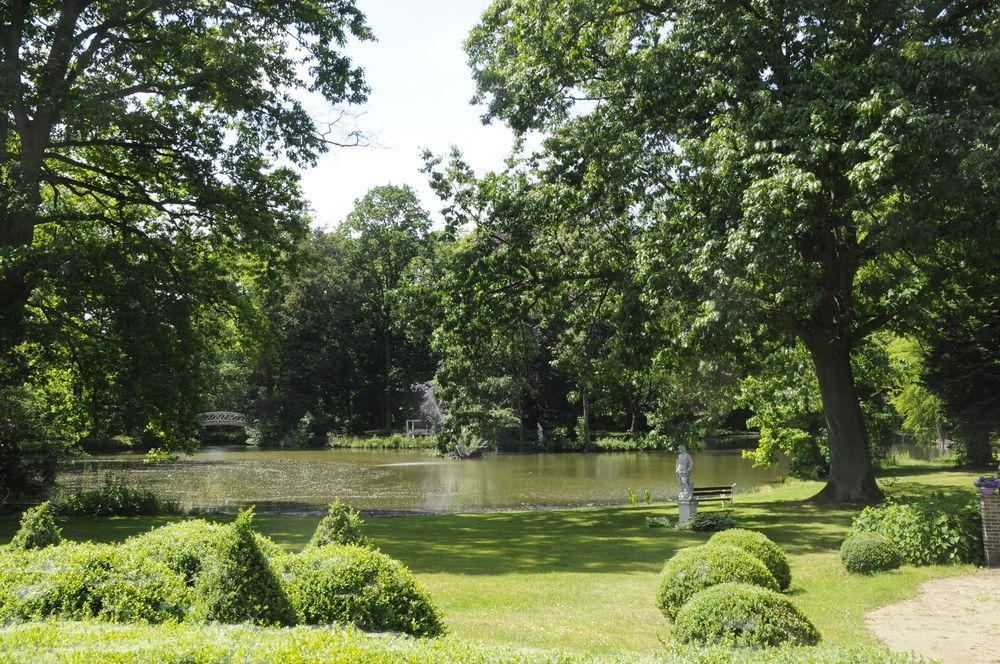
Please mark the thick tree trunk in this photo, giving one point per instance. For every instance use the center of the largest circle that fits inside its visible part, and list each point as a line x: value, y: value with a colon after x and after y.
x: 852, y: 478
x: 387, y: 399
x: 586, y: 421
x: 978, y: 451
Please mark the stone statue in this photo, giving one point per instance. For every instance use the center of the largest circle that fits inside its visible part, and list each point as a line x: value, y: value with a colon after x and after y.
x: 541, y: 434
x: 683, y: 470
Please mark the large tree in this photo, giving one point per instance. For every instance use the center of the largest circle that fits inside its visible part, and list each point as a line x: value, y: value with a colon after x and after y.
x: 798, y: 160
x: 172, y: 107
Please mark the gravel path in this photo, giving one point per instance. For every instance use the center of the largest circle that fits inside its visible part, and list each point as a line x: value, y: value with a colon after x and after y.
x: 954, y: 620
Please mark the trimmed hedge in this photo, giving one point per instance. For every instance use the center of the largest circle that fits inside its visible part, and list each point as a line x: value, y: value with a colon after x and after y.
x: 80, y: 581
x: 38, y: 529
x: 237, y: 583
x: 761, y: 547
x: 743, y: 615
x: 359, y: 586
x: 866, y: 553
x: 928, y: 532
x: 341, y: 525
x: 698, y: 567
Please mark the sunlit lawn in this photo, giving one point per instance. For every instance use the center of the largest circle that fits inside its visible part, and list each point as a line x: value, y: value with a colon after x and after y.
x: 585, y: 580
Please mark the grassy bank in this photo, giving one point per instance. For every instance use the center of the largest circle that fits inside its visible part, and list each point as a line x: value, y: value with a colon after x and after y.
x: 583, y: 581
x: 383, y: 442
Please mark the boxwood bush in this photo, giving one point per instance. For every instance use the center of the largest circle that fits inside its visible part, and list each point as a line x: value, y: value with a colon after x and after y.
x: 761, y: 547
x: 866, y: 553
x: 237, y: 583
x: 341, y: 525
x: 38, y: 529
x: 80, y: 581
x: 698, y: 567
x: 927, y: 532
x: 355, y: 585
x: 743, y: 615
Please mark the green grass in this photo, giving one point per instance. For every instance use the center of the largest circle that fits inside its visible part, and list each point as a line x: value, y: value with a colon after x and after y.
x: 584, y: 581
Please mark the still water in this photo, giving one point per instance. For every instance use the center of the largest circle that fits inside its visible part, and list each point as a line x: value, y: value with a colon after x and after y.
x: 227, y: 478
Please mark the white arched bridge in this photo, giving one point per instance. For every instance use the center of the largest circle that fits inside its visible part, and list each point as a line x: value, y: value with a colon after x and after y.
x: 224, y: 418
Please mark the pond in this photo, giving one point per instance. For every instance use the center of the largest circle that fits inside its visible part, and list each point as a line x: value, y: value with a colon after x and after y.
x: 227, y: 478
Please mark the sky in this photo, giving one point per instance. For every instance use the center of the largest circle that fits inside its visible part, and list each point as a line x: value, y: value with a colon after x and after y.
x: 420, y: 98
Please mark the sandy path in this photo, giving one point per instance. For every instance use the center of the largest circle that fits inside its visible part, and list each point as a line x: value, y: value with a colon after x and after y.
x: 955, y: 620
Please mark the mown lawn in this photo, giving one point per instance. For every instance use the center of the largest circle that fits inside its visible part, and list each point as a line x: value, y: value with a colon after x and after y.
x: 584, y: 581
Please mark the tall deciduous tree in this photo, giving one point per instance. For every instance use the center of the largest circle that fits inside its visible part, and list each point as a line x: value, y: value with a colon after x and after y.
x: 173, y: 107
x: 799, y: 160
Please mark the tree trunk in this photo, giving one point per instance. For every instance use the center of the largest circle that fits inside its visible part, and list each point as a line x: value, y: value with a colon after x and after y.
x: 586, y: 422
x: 388, y: 387
x: 977, y: 447
x: 942, y: 436
x: 852, y: 478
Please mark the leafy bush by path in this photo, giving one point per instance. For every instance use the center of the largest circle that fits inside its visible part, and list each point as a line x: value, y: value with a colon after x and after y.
x: 115, y: 497
x: 762, y: 548
x: 341, y: 525
x: 38, y: 529
x: 865, y: 553
x: 698, y: 567
x: 237, y: 583
x: 97, y: 643
x: 80, y: 581
x: 927, y: 532
x: 709, y: 522
x: 743, y: 615
x: 359, y: 586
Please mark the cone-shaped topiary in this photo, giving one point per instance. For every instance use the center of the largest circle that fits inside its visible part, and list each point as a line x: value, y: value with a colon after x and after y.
x: 762, y: 548
x: 358, y: 586
x: 341, y: 525
x: 866, y: 553
x: 698, y: 567
x: 38, y: 529
x: 744, y: 615
x: 237, y: 584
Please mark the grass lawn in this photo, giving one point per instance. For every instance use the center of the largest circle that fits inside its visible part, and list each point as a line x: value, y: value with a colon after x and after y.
x: 584, y: 581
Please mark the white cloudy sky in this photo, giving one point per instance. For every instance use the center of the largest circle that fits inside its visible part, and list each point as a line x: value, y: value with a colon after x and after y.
x: 421, y: 88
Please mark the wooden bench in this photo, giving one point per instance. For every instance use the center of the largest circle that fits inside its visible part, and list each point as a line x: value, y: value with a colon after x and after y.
x: 702, y: 494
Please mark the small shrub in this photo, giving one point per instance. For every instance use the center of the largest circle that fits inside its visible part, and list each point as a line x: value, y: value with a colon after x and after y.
x: 366, y: 588
x: 762, y: 548
x: 710, y: 522
x: 75, y: 581
x: 698, y: 567
x: 866, y: 553
x: 927, y: 532
x: 341, y: 525
x: 237, y: 583
x: 38, y: 529
x: 743, y: 615
x: 114, y: 497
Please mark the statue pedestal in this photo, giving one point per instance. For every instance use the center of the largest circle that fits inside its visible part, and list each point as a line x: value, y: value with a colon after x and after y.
x: 688, y: 508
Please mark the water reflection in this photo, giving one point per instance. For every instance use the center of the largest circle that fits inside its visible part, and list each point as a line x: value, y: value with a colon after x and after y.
x: 306, y: 480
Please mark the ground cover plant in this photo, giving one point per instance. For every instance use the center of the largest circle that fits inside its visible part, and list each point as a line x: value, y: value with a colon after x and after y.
x: 532, y: 579
x: 866, y: 553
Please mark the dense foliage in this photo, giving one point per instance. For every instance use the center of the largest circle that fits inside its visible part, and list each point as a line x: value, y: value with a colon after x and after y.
x: 743, y: 615
x: 358, y: 586
x: 695, y: 568
x: 927, y: 532
x: 762, y: 548
x: 37, y: 530
x: 113, y: 497
x: 341, y: 525
x: 711, y: 521
x: 869, y: 552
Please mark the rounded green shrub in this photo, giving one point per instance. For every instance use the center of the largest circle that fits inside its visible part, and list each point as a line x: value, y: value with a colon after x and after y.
x: 38, y: 529
x: 761, y: 547
x: 866, y: 553
x: 341, y: 525
x: 361, y: 586
x: 237, y: 583
x: 698, y: 567
x: 83, y: 581
x: 744, y: 615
